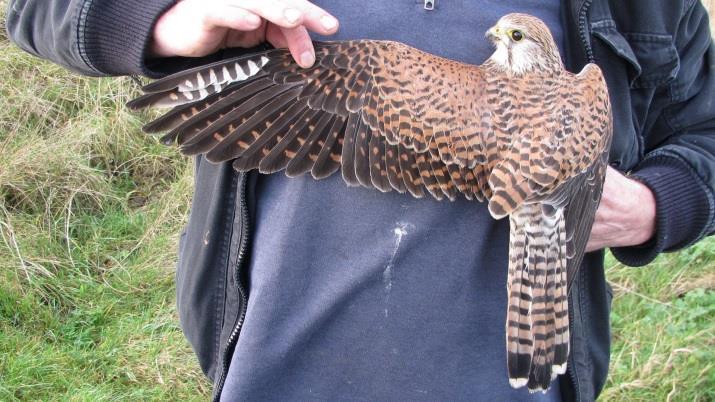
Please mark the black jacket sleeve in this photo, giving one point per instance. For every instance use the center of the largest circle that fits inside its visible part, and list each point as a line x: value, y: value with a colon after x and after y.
x: 680, y: 170
x: 92, y: 37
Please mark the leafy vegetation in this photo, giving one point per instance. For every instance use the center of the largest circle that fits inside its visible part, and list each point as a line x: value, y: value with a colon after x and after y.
x: 90, y: 210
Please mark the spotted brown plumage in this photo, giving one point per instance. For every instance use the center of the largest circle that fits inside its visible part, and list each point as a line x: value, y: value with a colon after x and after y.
x: 519, y: 132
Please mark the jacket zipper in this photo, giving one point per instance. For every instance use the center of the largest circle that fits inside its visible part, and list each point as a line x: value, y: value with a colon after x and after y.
x: 243, y: 246
x: 571, y: 359
x: 582, y: 20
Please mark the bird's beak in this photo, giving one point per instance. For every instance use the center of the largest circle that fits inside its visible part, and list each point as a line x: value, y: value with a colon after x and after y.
x: 493, y: 34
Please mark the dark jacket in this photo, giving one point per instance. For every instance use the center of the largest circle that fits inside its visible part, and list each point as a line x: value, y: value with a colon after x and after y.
x: 656, y: 56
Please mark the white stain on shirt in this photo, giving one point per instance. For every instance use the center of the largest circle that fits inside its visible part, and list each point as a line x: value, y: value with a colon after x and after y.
x: 400, y: 231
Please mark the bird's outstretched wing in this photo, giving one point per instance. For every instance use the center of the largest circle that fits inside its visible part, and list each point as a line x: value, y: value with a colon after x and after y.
x: 393, y: 117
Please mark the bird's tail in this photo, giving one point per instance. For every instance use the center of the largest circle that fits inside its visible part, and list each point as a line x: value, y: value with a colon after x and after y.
x: 537, y: 325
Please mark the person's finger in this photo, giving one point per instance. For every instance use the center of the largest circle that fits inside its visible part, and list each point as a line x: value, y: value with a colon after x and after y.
x: 315, y: 18
x: 275, y: 11
x: 300, y: 45
x: 231, y: 17
x: 291, y: 13
x: 246, y: 39
x: 275, y: 36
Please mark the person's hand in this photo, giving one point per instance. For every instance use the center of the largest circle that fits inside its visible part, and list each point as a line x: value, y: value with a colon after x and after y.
x: 626, y: 215
x: 194, y: 28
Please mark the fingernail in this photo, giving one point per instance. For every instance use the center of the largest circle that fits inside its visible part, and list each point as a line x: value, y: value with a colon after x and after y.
x: 307, y: 59
x: 292, y: 15
x: 328, y: 22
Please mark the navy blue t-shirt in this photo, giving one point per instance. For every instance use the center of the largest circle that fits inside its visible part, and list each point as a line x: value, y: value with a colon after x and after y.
x: 359, y: 295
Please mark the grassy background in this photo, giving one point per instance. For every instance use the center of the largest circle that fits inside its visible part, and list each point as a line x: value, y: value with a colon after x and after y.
x: 90, y: 210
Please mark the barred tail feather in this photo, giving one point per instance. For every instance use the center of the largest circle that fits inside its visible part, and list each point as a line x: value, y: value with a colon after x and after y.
x: 537, y: 316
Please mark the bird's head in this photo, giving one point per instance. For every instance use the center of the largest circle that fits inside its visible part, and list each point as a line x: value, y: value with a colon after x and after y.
x: 524, y: 44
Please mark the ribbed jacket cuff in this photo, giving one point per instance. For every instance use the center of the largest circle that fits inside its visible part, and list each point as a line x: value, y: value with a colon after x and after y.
x: 114, y: 35
x: 682, y: 209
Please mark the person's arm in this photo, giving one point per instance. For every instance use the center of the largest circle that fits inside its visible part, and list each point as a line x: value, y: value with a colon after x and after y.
x: 626, y: 215
x: 679, y: 171
x: 156, y: 37
x: 98, y: 37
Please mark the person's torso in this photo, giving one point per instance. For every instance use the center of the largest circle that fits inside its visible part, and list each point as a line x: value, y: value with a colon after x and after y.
x: 356, y: 294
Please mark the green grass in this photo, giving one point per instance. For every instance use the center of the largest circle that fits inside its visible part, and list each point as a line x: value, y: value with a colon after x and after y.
x: 90, y: 210
x: 664, y: 328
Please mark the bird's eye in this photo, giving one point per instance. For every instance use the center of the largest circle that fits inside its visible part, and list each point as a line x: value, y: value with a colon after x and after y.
x: 516, y: 35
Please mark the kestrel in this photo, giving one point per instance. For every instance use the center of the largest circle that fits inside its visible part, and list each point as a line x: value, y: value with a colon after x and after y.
x: 518, y: 131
